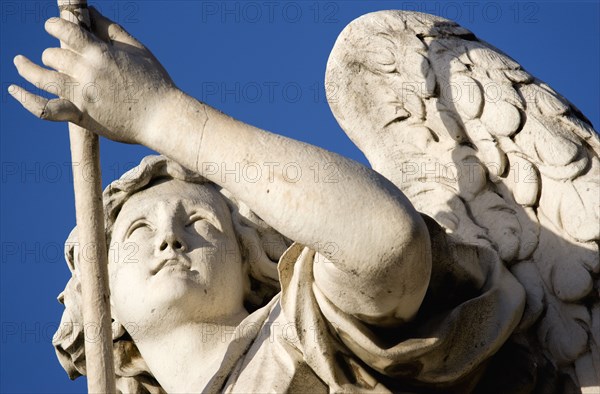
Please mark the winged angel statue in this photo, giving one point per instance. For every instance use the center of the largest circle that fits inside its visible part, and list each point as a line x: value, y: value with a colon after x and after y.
x: 467, y: 261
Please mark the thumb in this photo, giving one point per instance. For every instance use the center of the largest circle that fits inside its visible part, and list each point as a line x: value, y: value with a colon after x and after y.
x: 109, y: 31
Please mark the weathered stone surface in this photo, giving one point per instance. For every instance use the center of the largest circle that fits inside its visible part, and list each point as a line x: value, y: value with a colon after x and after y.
x: 467, y: 261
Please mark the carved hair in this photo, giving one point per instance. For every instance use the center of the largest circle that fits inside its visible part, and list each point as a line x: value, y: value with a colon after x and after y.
x: 260, y: 247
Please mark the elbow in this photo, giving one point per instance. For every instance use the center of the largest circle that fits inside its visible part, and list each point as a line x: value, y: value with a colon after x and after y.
x: 405, y: 271
x: 384, y: 274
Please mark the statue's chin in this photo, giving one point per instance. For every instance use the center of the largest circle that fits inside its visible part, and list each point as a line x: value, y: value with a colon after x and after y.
x: 173, y: 298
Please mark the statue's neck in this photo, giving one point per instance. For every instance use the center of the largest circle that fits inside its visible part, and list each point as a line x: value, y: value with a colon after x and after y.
x: 185, y: 358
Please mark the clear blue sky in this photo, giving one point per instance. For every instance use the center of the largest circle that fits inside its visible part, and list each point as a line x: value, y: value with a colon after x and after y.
x: 262, y: 62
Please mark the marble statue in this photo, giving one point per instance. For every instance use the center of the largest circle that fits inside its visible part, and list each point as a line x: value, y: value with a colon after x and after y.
x: 466, y: 260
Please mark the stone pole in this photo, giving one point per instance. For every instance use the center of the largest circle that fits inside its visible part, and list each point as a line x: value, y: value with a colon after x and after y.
x: 92, y: 262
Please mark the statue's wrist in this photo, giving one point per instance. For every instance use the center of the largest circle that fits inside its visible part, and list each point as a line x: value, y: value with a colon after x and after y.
x: 175, y: 127
x: 154, y: 130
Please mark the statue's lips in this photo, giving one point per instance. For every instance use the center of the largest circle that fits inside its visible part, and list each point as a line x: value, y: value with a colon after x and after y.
x: 176, y: 263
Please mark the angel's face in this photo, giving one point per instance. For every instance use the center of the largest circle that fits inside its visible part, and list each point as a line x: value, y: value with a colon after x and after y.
x: 174, y: 253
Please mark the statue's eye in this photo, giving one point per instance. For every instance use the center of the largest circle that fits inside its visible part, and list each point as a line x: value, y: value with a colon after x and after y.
x: 194, y: 218
x: 204, y: 220
x: 138, y: 225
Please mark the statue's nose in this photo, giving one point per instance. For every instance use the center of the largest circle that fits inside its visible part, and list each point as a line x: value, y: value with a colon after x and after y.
x: 171, y: 240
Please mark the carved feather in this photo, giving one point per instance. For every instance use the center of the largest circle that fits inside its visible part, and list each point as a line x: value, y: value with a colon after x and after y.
x: 493, y: 154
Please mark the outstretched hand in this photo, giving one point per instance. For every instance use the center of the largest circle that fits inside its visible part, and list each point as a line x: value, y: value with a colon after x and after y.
x: 106, y: 80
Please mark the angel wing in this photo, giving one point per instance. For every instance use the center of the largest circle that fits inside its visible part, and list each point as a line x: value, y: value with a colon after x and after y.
x: 493, y: 154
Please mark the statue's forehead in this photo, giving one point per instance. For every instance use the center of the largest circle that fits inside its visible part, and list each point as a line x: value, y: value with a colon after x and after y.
x: 172, y: 192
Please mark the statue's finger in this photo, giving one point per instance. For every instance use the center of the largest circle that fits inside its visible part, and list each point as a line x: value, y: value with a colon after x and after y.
x: 109, y: 31
x: 48, y: 80
x: 63, y: 60
x: 60, y: 110
x: 74, y: 36
x: 55, y: 109
x: 31, y: 102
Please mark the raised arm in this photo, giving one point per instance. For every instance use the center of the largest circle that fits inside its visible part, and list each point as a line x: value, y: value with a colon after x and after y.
x: 356, y: 218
